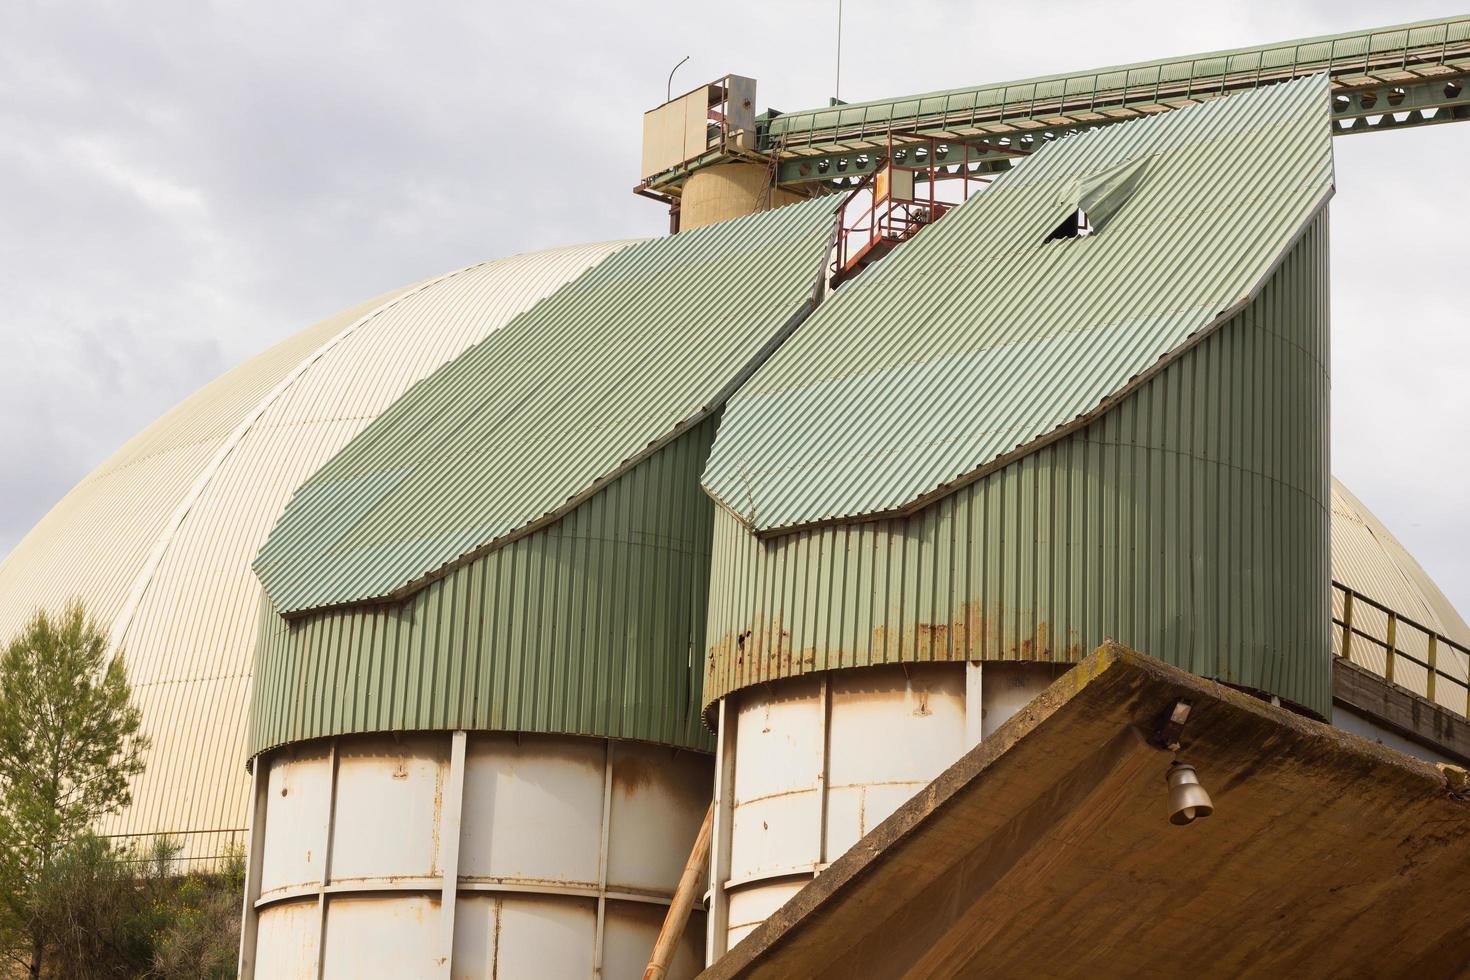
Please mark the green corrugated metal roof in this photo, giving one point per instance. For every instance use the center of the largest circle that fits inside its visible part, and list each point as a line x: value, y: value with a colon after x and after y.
x: 1337, y: 52
x: 532, y: 420
x: 585, y: 626
x: 981, y: 336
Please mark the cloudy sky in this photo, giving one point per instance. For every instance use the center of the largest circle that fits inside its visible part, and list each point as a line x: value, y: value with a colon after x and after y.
x: 184, y: 183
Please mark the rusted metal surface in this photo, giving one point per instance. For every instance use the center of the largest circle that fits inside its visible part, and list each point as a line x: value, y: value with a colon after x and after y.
x: 1046, y: 850
x: 564, y: 854
x: 818, y: 761
x: 1160, y: 523
x: 670, y: 936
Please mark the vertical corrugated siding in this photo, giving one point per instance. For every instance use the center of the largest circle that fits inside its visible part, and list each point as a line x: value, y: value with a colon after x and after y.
x: 1190, y: 522
x: 588, y: 626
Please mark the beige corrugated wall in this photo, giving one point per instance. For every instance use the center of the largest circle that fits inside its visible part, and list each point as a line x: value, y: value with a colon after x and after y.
x: 1368, y: 559
x: 158, y: 540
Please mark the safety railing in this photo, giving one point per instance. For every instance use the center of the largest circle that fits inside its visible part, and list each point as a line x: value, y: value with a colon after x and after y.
x: 895, y: 200
x: 1403, y: 651
x: 1428, y: 47
x: 1411, y: 75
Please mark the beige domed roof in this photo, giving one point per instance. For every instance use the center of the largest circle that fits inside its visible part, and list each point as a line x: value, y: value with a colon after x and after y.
x: 1368, y: 559
x: 158, y: 540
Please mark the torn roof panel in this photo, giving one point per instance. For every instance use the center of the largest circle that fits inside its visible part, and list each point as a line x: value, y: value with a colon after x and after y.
x: 521, y: 427
x: 983, y: 334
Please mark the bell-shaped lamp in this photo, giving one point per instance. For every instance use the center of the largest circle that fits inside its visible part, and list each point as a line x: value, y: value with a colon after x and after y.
x: 1187, y: 798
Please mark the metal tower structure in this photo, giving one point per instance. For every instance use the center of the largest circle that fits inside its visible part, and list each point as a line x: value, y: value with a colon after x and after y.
x: 1384, y: 78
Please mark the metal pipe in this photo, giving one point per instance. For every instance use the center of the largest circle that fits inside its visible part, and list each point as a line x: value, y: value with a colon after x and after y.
x: 679, y: 908
x: 669, y: 86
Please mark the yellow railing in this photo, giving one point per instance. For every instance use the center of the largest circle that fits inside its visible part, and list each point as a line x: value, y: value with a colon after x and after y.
x: 1407, y: 653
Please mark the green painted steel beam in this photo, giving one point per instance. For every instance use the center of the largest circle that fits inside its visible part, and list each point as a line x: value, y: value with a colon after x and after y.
x: 1385, y: 78
x: 1358, y: 110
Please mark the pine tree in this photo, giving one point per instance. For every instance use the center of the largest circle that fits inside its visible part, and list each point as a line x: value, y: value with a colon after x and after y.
x: 69, y: 745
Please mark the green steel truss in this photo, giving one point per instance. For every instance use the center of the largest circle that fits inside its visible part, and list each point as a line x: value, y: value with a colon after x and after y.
x: 1386, y: 78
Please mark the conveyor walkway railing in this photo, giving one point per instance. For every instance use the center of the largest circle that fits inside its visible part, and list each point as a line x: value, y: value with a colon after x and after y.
x: 1402, y: 651
x: 1411, y: 74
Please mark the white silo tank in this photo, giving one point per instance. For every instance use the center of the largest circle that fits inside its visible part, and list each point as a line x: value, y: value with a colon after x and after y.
x: 554, y: 856
x: 806, y: 766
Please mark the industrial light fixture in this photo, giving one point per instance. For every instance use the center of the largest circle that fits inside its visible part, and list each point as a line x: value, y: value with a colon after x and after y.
x: 1187, y: 798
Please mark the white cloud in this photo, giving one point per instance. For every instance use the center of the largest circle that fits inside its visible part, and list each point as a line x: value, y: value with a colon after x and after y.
x: 183, y: 185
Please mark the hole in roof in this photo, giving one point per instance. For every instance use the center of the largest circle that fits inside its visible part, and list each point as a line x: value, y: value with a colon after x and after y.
x: 1092, y: 200
x: 1074, y: 225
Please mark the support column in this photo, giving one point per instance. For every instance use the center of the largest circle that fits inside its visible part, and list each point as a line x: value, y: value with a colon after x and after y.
x: 450, y: 814
x: 718, y: 921
x: 974, y: 704
x: 607, y: 782
x: 326, y: 876
x: 254, y: 861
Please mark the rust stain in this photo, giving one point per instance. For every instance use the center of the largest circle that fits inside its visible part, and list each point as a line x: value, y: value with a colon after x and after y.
x: 932, y: 636
x: 495, y: 954
x: 631, y: 774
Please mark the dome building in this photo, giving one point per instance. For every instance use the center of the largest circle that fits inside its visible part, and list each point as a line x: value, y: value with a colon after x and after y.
x: 158, y: 540
x: 475, y: 723
x: 492, y: 563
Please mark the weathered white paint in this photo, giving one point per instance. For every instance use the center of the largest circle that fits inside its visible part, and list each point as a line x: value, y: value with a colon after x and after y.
x: 469, y: 855
x: 807, y: 766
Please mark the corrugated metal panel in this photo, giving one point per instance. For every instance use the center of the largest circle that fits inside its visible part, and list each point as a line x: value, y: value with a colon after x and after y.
x: 981, y: 336
x: 522, y: 426
x: 1142, y: 80
x: 158, y: 540
x: 1189, y: 521
x: 1367, y: 558
x: 587, y: 626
